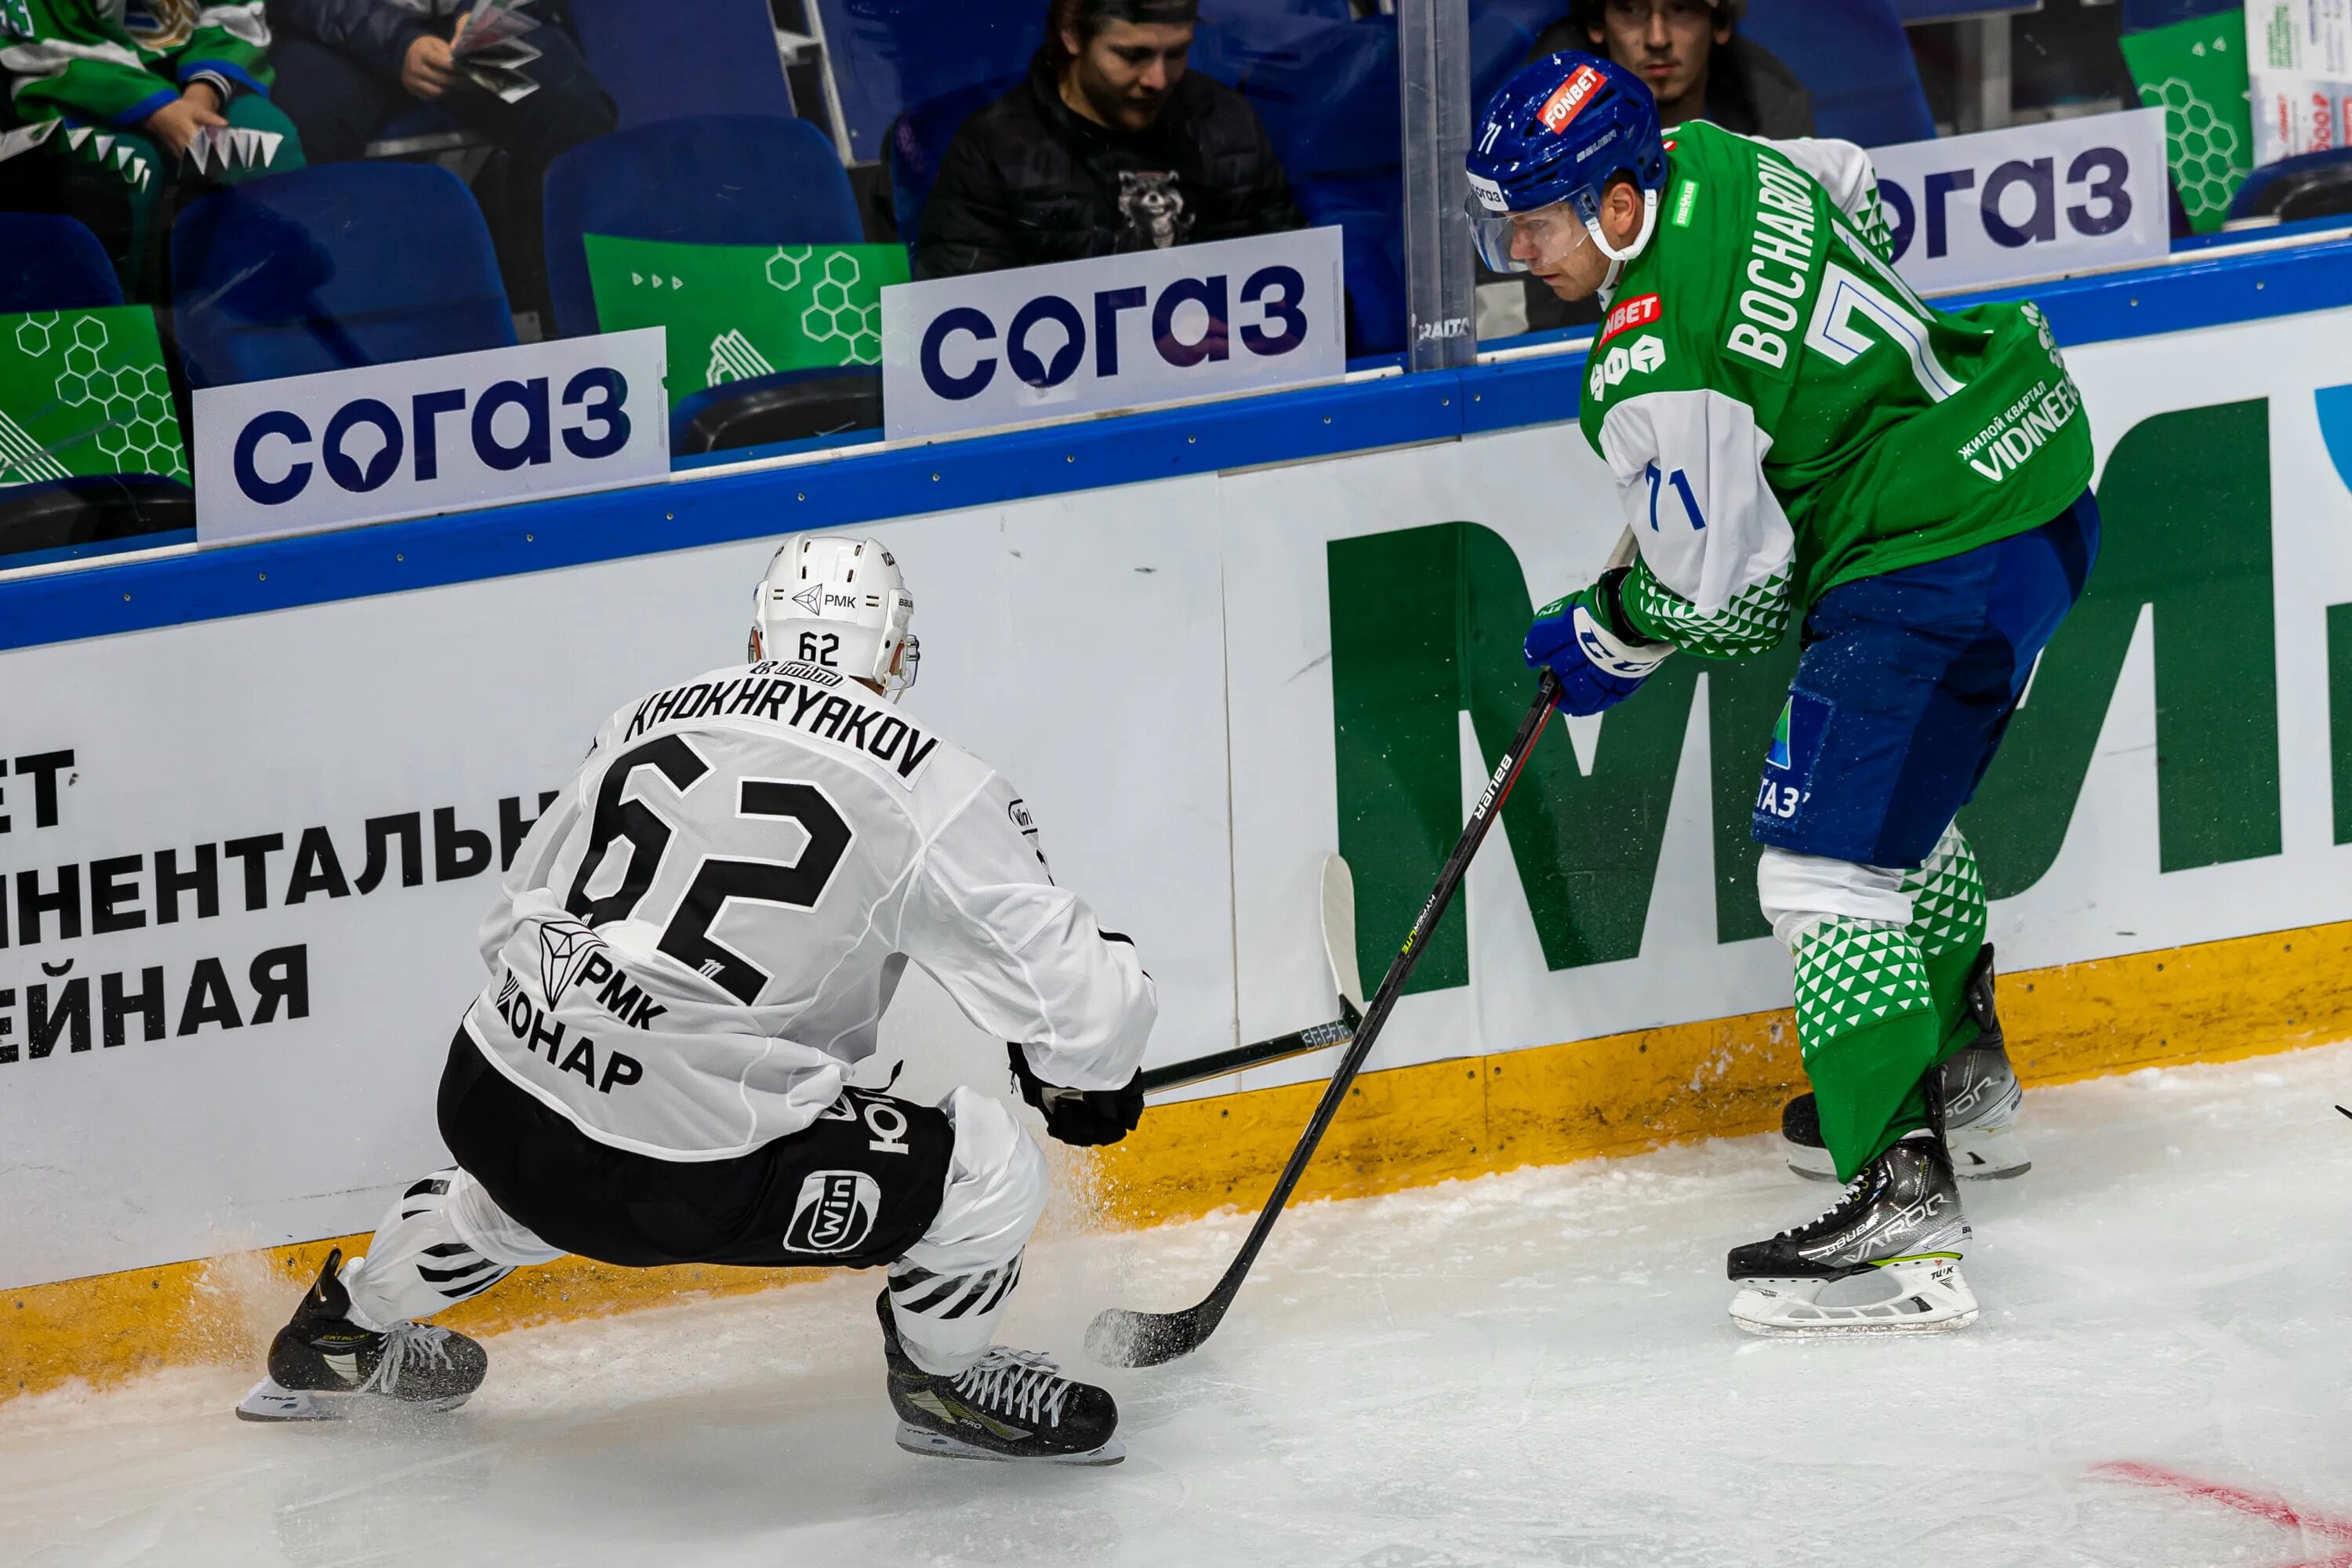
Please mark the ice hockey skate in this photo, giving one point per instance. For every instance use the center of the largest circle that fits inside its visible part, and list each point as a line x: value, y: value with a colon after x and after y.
x: 325, y: 1367
x: 1900, y: 1219
x: 1981, y: 1099
x: 1012, y: 1406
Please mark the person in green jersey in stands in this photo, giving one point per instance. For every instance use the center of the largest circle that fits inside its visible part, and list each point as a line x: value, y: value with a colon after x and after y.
x: 1794, y: 434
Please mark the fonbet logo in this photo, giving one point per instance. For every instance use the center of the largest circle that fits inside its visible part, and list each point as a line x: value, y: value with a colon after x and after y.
x: 1569, y: 102
x: 1632, y: 313
x: 835, y: 1212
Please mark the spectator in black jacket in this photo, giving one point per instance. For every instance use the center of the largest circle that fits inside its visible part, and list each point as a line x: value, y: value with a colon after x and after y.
x: 1110, y: 145
x: 1691, y: 54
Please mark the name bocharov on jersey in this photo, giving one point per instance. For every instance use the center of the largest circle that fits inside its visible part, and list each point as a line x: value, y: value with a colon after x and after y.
x: 1782, y: 414
x: 704, y: 929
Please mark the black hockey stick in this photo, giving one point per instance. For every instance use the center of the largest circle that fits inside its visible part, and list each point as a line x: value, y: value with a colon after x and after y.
x: 1339, y: 958
x: 1120, y: 1337
x: 1281, y: 1048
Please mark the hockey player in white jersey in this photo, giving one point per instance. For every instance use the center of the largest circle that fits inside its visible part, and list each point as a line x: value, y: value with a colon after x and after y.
x: 692, y: 947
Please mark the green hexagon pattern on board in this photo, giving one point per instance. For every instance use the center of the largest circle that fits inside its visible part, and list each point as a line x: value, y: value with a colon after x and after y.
x: 85, y: 394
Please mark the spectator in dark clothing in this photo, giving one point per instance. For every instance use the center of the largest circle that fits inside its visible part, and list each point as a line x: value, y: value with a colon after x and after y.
x: 347, y: 67
x: 1109, y: 145
x: 1699, y: 68
x: 1691, y: 54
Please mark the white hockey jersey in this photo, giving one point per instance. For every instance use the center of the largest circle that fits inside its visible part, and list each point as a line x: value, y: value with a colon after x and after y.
x: 704, y: 929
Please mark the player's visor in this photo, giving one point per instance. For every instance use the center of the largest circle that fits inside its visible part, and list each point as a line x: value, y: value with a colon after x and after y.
x: 1533, y: 241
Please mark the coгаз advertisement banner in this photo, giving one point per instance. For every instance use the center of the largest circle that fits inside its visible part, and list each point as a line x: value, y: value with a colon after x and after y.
x: 1138, y: 330
x: 430, y: 435
x: 244, y: 861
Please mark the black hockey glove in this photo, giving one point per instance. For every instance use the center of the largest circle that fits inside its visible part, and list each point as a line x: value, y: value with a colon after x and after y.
x: 1081, y: 1117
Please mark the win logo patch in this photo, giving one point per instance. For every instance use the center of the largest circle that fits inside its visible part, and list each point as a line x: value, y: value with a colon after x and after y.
x: 835, y: 1212
x: 1778, y: 757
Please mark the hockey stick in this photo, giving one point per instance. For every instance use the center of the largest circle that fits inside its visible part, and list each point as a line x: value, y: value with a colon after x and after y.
x: 1120, y: 1337
x: 1339, y: 956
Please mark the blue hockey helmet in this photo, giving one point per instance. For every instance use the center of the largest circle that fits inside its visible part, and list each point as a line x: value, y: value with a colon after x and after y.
x: 1556, y: 133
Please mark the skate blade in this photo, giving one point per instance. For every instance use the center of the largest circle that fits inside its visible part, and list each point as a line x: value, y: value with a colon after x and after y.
x: 1929, y: 1298
x: 1990, y: 1154
x: 940, y: 1446
x: 267, y: 1402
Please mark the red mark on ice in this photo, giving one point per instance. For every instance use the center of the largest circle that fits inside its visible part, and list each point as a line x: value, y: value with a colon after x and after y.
x: 2277, y: 1511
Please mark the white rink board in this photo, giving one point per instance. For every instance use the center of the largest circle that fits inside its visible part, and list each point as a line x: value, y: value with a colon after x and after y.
x: 1112, y: 652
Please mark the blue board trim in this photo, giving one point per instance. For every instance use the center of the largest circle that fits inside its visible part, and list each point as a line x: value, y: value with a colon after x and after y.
x: 1318, y: 422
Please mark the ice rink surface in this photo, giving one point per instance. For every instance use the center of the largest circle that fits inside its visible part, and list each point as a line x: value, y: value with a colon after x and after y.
x: 1533, y: 1368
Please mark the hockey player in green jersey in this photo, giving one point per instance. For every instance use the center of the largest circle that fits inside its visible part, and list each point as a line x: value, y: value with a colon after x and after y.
x: 1795, y: 436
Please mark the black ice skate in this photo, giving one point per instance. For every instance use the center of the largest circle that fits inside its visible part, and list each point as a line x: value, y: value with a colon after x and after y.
x: 1901, y: 1219
x: 1982, y: 1097
x: 1013, y: 1405
x: 324, y: 1367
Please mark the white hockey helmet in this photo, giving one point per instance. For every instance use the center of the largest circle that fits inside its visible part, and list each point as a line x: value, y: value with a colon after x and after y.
x: 839, y: 603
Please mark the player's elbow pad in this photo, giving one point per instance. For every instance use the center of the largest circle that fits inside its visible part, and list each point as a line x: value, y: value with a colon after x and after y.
x: 1752, y: 622
x: 1103, y: 1033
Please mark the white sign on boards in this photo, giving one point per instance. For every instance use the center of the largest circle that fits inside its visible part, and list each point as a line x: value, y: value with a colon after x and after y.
x: 430, y: 435
x: 2299, y: 63
x: 1134, y: 331
x: 2001, y: 206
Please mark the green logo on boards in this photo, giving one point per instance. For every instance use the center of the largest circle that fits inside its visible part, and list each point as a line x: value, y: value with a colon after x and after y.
x: 84, y: 393
x: 732, y: 313
x: 2196, y: 72
x: 2187, y: 503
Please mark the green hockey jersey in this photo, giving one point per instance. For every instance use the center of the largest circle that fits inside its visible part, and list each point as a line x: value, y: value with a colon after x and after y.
x: 106, y: 62
x: 1782, y: 414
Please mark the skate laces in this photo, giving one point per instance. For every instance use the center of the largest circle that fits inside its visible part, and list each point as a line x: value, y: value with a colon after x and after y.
x: 1022, y: 1383
x: 405, y: 1342
x: 1853, y: 1191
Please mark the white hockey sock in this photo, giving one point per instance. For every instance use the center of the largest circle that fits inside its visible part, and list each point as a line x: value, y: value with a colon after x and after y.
x: 443, y: 1242
x: 948, y: 1289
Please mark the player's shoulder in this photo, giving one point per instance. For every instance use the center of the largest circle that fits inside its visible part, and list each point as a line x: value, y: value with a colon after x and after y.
x: 806, y: 707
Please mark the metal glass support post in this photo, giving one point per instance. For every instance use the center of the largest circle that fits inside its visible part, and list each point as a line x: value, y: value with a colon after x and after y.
x: 1434, y: 79
x: 1984, y: 73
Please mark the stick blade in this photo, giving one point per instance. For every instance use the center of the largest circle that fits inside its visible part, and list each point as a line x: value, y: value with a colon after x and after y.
x: 1339, y: 931
x: 1118, y: 1337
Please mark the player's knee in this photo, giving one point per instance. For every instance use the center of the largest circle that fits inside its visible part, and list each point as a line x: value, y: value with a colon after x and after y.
x: 1798, y: 891
x: 996, y: 1183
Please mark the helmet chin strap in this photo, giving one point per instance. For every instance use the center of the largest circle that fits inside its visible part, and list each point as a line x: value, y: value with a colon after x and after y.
x: 1649, y: 225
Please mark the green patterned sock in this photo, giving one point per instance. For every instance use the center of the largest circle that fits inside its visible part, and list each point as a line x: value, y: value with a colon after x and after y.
x: 1947, y: 922
x: 1867, y: 1026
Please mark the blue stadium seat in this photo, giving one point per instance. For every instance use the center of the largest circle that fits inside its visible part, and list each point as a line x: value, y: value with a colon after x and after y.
x: 1330, y: 107
x: 1532, y: 16
x: 1231, y: 45
x: 683, y: 57
x: 328, y: 267
x: 1852, y: 57
x: 2140, y: 15
x: 887, y: 55
x: 919, y: 140
x: 2308, y: 185
x: 717, y: 179
x: 53, y: 264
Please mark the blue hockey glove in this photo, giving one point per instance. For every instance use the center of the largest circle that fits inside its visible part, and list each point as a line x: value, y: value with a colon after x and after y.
x: 1585, y: 640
